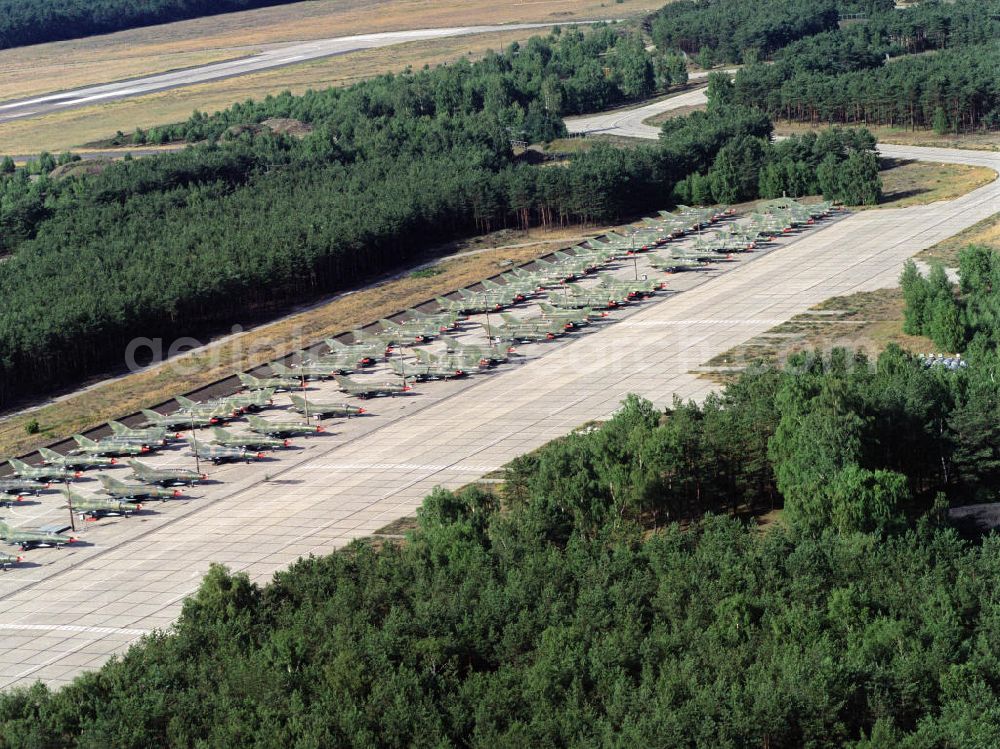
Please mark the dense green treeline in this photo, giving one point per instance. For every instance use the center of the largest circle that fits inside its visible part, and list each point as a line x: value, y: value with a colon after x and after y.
x: 570, y: 611
x: 25, y: 22
x: 248, y: 221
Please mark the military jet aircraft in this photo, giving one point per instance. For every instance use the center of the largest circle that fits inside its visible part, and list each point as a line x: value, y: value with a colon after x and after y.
x: 146, y: 436
x: 75, y: 462
x: 281, y: 429
x: 576, y: 317
x: 274, y: 383
x: 247, y: 441
x: 166, y: 476
x: 107, y: 446
x: 310, y: 370
x: 215, y: 411
x: 426, y: 370
x: 222, y: 454
x: 490, y: 355
x: 33, y: 539
x: 525, y: 333
x: 9, y: 560
x: 95, y: 508
x: 42, y: 473
x: 324, y: 410
x: 467, y: 362
x: 17, y: 488
x: 365, y: 390
x: 363, y: 354
x: 122, y: 490
x: 631, y: 289
x: 250, y: 402
x: 672, y: 264
x: 179, y: 420
x: 419, y: 331
x: 533, y: 323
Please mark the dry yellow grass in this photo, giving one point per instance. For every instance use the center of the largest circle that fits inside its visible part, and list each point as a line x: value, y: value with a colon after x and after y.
x: 119, y: 397
x: 907, y: 183
x: 63, y: 130
x: 979, y: 141
x: 61, y: 65
x: 986, y: 232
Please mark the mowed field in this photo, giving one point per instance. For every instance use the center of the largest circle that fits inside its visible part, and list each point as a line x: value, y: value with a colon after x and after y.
x: 64, y: 65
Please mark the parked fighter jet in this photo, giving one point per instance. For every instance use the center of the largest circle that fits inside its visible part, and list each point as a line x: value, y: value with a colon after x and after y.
x: 33, y: 539
x: 534, y: 323
x: 275, y: 383
x: 415, y: 330
x: 42, y: 473
x: 324, y: 410
x: 365, y: 390
x: 363, y: 354
x: 146, y: 436
x: 123, y: 490
x: 16, y: 488
x: 672, y: 264
x: 75, y: 462
x: 426, y: 370
x: 310, y: 370
x: 107, y: 446
x: 491, y: 355
x: 9, y: 560
x: 528, y: 333
x: 246, y: 441
x: 281, y: 429
x: 211, y: 410
x: 95, y: 508
x: 179, y: 420
x: 165, y: 476
x: 250, y: 402
x: 576, y: 317
x: 222, y: 454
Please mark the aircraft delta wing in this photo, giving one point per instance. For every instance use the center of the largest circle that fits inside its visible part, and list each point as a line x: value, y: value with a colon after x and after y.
x: 226, y: 438
x: 42, y: 473
x: 309, y: 371
x: 147, y: 435
x: 95, y: 508
x: 122, y: 490
x: 222, y: 454
x: 107, y: 447
x: 179, y: 420
x: 324, y: 410
x: 429, y: 370
x: 364, y: 354
x: 365, y: 390
x: 147, y: 474
x: 15, y: 489
x: 75, y: 462
x: 276, y: 383
x: 281, y: 429
x: 33, y: 539
x: 492, y: 355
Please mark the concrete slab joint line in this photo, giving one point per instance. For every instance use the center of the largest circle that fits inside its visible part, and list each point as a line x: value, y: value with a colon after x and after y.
x: 96, y: 600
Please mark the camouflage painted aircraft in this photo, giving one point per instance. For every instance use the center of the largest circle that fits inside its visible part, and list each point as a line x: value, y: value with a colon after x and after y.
x: 281, y: 429
x: 250, y: 402
x: 95, y: 508
x: 311, y: 370
x: 42, y: 473
x: 107, y: 446
x: 179, y: 420
x: 75, y: 462
x: 497, y: 298
x: 9, y: 560
x: 426, y: 370
x: 275, y: 383
x: 577, y: 317
x: 222, y: 454
x: 672, y: 263
x: 452, y: 361
x: 146, y: 436
x: 147, y: 474
x: 363, y: 354
x: 122, y: 490
x: 535, y: 323
x: 520, y: 288
x: 19, y: 488
x: 226, y: 438
x: 578, y: 297
x: 465, y: 306
x: 490, y: 355
x: 527, y: 333
x: 34, y: 539
x: 217, y: 410
x: 323, y: 410
x: 631, y: 289
x: 369, y: 390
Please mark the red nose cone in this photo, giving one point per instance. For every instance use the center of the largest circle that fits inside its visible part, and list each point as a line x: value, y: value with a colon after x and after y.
x: 260, y: 455
x: 550, y: 336
x: 72, y: 540
x: 320, y: 429
x: 114, y: 461
x: 287, y: 443
x: 361, y: 411
x: 204, y: 477
x: 177, y: 492
x: 48, y: 485
x: 138, y: 507
x: 19, y: 498
x: 77, y: 474
x: 407, y: 388
x: 214, y: 420
x: 144, y: 449
x: 19, y: 559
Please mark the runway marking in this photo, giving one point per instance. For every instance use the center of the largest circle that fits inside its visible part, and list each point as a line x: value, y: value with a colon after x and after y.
x: 76, y: 629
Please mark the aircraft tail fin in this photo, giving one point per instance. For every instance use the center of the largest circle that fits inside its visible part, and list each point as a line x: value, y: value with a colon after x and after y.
x: 185, y: 402
x: 335, y: 345
x: 509, y: 318
x: 152, y: 416
x: 106, y: 481
x: 117, y: 427
x: 45, y: 452
x: 297, y: 400
x: 220, y: 433
x: 83, y: 441
x: 18, y: 464
x: 248, y: 380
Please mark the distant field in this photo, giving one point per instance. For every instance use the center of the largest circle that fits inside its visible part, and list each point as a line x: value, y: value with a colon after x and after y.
x: 61, y: 65
x: 986, y: 232
x: 978, y: 141
x: 920, y: 182
x: 57, y: 132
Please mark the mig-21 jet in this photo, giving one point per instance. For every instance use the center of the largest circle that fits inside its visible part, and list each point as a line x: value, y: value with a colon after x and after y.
x: 9, y: 560
x: 526, y: 332
x: 246, y: 441
x: 222, y: 454
x: 15, y: 489
x: 489, y: 355
x: 179, y: 420
x: 75, y: 462
x: 215, y: 411
x: 366, y: 390
x: 276, y: 383
x: 95, y: 508
x: 165, y: 476
x: 42, y: 473
x: 146, y: 435
x: 576, y: 317
x: 122, y: 490
x: 108, y: 446
x: 281, y: 429
x: 324, y: 410
x: 34, y: 539
x: 426, y: 370
x: 417, y: 331
x: 310, y: 370
x: 364, y: 354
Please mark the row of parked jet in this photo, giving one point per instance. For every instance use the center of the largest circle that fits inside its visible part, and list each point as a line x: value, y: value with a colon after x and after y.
x: 564, y: 305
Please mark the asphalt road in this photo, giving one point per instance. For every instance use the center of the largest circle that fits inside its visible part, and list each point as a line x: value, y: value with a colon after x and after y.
x: 70, y: 609
x: 289, y: 54
x: 629, y: 122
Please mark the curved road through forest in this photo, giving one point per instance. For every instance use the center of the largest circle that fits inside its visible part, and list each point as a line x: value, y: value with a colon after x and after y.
x: 77, y: 606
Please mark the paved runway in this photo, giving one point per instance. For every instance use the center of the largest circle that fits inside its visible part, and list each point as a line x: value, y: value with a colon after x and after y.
x: 81, y: 604
x: 288, y: 54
